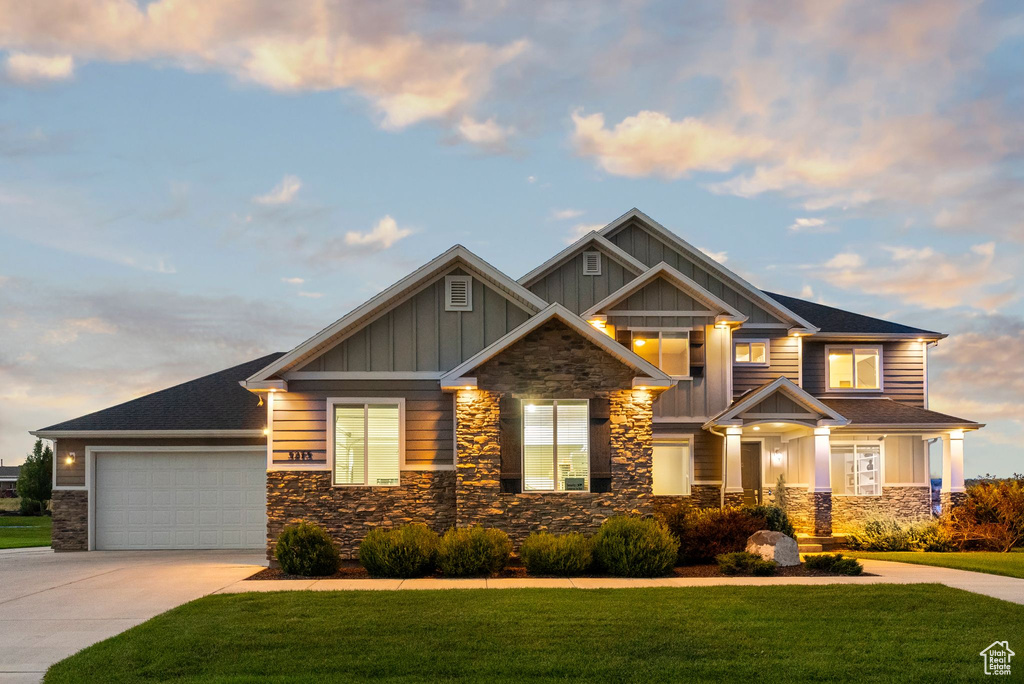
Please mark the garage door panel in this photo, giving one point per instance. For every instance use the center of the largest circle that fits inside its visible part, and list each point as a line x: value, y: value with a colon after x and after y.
x: 171, y: 500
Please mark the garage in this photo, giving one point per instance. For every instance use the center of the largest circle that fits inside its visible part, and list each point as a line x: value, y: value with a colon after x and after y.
x: 195, y: 499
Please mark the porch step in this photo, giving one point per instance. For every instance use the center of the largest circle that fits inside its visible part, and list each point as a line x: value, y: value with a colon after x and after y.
x: 809, y: 544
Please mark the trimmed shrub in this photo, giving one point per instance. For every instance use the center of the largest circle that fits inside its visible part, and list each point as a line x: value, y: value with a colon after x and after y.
x: 473, y: 552
x: 564, y: 555
x: 408, y: 551
x: 743, y: 563
x: 306, y: 549
x: 885, y: 534
x: 834, y: 563
x: 775, y: 518
x: 933, y: 536
x: 628, y: 546
x: 30, y: 507
x: 706, y: 533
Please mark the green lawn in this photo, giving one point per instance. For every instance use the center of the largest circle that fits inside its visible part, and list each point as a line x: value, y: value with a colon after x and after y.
x: 1010, y: 564
x: 919, y: 632
x: 19, y: 531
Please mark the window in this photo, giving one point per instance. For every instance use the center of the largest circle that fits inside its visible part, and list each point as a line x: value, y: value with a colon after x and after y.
x: 671, y: 467
x: 854, y: 368
x: 367, y: 442
x: 669, y: 351
x: 592, y: 263
x: 751, y: 353
x: 458, y: 293
x: 556, y: 446
x: 857, y: 469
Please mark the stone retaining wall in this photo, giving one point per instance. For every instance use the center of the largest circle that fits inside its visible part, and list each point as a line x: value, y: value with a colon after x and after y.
x: 70, y: 520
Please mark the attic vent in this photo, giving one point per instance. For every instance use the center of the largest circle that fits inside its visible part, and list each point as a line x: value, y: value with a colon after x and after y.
x: 458, y: 293
x: 591, y: 263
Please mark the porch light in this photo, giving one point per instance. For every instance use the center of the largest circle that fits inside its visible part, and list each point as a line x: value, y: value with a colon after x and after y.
x: 70, y: 458
x: 776, y: 458
x: 639, y: 342
x: 756, y: 428
x: 266, y: 431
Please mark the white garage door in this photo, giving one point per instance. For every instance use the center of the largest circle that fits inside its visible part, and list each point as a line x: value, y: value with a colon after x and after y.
x: 181, y: 500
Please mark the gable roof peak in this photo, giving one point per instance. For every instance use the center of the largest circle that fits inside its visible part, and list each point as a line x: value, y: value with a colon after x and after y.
x: 624, y: 258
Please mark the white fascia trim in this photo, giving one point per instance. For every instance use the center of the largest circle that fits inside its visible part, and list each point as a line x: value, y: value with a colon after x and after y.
x: 657, y: 383
x: 84, y: 434
x: 364, y: 313
x: 362, y: 375
x: 573, y: 321
x: 877, y: 337
x: 904, y: 427
x: 624, y: 258
x: 676, y: 278
x: 786, y: 386
x: 751, y: 292
x: 264, y: 385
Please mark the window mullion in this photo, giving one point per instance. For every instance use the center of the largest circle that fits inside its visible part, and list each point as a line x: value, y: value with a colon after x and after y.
x: 554, y: 445
x: 366, y: 444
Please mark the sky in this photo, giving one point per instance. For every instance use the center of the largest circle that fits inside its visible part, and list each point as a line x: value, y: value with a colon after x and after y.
x: 189, y: 184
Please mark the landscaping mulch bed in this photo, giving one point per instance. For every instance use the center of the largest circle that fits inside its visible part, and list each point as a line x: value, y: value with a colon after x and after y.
x: 352, y: 570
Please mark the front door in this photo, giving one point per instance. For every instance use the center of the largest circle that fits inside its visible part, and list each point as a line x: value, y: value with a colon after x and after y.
x: 750, y: 471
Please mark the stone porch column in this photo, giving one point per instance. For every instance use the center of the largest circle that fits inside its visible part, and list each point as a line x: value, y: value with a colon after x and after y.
x: 953, y: 491
x: 733, y: 472
x: 821, y: 483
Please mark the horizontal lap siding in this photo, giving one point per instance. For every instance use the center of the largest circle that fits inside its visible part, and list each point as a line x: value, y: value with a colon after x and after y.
x: 902, y: 372
x: 301, y: 420
x: 707, y: 449
x: 783, y: 360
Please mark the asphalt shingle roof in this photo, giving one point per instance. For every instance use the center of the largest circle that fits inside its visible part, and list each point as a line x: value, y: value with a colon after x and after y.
x: 9, y: 471
x: 212, y: 402
x: 889, y: 412
x: 833, y: 320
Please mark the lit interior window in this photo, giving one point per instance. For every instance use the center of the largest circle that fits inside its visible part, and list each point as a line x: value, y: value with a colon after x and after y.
x: 854, y: 368
x: 669, y: 351
x: 556, y: 441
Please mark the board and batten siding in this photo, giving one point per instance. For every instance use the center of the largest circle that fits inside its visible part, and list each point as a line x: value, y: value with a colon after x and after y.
x: 301, y: 422
x: 651, y: 250
x: 577, y: 292
x: 419, y: 335
x: 783, y: 361
x: 701, y: 396
x: 902, y: 371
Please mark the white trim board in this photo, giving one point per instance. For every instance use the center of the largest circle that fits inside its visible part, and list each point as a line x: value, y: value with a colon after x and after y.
x: 609, y: 248
x: 790, y: 389
x: 156, y: 434
x: 331, y: 402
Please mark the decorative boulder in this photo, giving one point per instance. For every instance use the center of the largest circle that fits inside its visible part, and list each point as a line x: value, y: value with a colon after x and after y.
x: 774, y: 546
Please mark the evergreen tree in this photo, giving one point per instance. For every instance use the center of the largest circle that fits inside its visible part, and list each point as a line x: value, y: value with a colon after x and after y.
x: 35, y: 481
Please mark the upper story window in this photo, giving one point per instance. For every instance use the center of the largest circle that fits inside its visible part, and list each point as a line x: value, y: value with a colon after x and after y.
x: 751, y: 353
x: 367, y: 438
x: 556, y: 445
x: 668, y: 350
x: 458, y: 293
x: 592, y: 263
x: 854, y: 368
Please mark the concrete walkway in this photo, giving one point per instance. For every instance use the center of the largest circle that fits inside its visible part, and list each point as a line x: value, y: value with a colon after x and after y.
x: 883, y: 572
x: 55, y: 604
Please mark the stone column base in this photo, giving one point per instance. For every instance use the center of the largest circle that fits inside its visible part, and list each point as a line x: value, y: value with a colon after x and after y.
x: 70, y: 520
x: 821, y: 512
x: 734, y: 498
x: 949, y: 500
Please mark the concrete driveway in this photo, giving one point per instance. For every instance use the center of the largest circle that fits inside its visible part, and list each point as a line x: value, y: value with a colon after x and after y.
x: 55, y: 604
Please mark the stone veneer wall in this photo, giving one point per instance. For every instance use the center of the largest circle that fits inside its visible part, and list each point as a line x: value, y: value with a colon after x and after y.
x: 810, y: 512
x: 701, y: 496
x: 70, y: 520
x: 348, y: 513
x: 906, y: 504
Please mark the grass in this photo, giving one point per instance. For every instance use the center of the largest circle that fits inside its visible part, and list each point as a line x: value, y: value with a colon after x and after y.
x: 10, y: 504
x: 17, y: 531
x: 797, y: 633
x: 1010, y: 564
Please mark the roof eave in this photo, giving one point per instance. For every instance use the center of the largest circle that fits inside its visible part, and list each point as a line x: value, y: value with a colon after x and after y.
x: 76, y: 434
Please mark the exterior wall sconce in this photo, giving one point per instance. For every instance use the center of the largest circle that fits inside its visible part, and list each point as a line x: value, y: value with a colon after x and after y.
x: 776, y: 458
x: 70, y: 458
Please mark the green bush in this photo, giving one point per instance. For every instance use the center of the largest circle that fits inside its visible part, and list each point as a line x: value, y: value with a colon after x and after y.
x: 564, y: 555
x: 627, y: 546
x: 409, y: 551
x: 30, y: 507
x: 743, y: 563
x: 932, y: 535
x: 775, y: 519
x: 834, y: 563
x: 473, y: 552
x: 306, y: 549
x: 705, y: 533
x: 885, y: 534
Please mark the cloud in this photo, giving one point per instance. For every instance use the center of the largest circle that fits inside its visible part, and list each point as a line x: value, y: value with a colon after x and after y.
x: 487, y: 135
x: 811, y: 225
x: 925, y: 277
x: 282, y: 193
x: 581, y: 229
x: 652, y: 144
x: 293, y: 281
x: 383, y: 235
x: 311, y: 295
x: 68, y: 330
x: 302, y: 47
x: 29, y: 68
x: 720, y: 257
x: 565, y: 214
x: 807, y: 292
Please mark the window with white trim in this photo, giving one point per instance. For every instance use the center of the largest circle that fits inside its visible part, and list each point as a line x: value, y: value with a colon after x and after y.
x: 458, y: 293
x: 592, y: 263
x: 668, y: 350
x: 367, y: 440
x: 672, y: 467
x: 750, y: 353
x: 556, y: 445
x: 857, y: 469
x: 854, y: 368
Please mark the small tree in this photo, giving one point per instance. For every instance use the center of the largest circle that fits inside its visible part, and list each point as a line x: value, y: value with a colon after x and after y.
x: 35, y: 481
x: 781, y: 493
